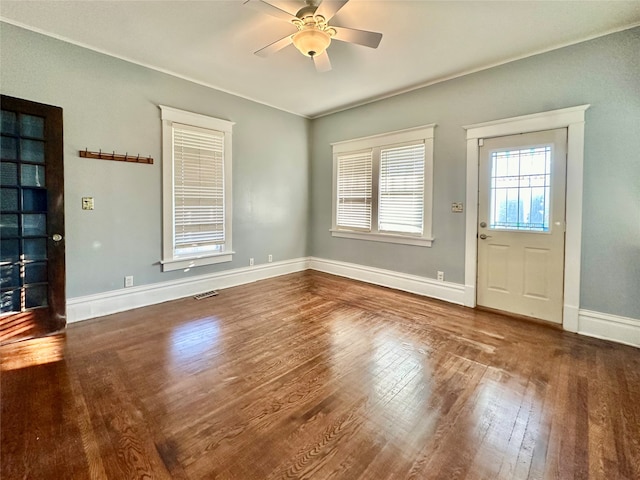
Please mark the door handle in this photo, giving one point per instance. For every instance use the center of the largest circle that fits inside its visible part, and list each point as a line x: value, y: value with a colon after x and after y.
x: 484, y: 236
x: 56, y: 237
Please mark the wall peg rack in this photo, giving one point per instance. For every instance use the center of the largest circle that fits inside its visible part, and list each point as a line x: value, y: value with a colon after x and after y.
x: 118, y: 157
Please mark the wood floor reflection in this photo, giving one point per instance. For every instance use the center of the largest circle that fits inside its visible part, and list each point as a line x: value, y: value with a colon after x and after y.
x: 315, y: 376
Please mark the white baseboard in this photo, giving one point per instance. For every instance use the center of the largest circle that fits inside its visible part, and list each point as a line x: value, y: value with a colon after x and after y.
x: 609, y: 327
x: 90, y: 306
x: 447, y: 291
x: 98, y: 305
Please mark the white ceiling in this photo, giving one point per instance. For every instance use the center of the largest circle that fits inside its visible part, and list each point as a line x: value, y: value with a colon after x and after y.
x: 212, y: 42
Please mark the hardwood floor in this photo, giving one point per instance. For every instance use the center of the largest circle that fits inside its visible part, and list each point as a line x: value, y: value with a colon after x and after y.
x: 319, y: 377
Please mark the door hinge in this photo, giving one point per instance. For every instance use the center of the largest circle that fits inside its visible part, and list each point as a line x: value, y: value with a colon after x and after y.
x: 481, y: 142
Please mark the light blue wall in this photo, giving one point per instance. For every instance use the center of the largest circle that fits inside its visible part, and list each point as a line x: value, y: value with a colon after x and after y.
x: 110, y: 104
x: 282, y: 163
x: 604, y: 73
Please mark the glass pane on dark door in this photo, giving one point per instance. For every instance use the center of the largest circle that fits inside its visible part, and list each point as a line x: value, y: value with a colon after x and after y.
x: 10, y: 301
x: 34, y: 200
x: 35, y: 272
x: 35, y: 248
x: 34, y: 224
x: 10, y: 275
x: 32, y: 175
x: 31, y: 126
x: 32, y: 151
x: 9, y: 122
x: 8, y: 174
x: 8, y: 148
x: 23, y: 213
x: 36, y: 296
x: 8, y: 225
x: 9, y: 250
x: 9, y: 199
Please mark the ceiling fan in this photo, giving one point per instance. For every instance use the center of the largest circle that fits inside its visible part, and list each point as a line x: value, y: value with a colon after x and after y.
x: 314, y: 33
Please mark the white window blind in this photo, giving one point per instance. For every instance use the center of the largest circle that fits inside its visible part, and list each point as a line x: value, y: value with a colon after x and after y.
x: 354, y: 190
x: 401, y: 197
x: 199, y: 213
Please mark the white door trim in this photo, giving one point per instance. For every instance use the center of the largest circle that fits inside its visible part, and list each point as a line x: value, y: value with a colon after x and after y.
x: 572, y: 119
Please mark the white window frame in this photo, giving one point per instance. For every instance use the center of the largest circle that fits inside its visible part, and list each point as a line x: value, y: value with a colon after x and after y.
x: 170, y: 261
x: 423, y: 134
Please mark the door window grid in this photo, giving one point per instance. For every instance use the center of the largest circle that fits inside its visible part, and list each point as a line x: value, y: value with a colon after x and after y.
x: 23, y: 226
x: 520, y: 189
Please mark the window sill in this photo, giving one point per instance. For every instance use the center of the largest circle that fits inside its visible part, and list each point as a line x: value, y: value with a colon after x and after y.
x: 383, y: 237
x: 189, y: 262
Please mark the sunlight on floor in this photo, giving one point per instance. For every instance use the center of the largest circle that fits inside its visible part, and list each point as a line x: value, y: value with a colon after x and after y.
x: 29, y: 353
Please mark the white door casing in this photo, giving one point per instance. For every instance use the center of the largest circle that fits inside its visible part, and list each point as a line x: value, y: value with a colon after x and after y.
x: 573, y: 119
x: 521, y: 215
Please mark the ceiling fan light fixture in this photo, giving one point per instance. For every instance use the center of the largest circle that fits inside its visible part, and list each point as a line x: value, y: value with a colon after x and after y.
x: 311, y: 41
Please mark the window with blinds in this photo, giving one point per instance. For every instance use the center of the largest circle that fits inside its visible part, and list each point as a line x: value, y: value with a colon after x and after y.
x: 401, y: 195
x: 198, y: 190
x: 354, y: 190
x: 383, y: 187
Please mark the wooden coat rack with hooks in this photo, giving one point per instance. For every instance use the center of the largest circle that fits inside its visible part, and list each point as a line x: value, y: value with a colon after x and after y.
x: 118, y: 157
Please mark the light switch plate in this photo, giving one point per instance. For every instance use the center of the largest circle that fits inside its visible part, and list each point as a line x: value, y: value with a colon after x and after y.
x: 87, y: 203
x: 457, y: 207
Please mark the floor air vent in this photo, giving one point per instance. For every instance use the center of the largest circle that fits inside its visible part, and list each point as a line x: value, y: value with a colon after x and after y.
x: 202, y: 295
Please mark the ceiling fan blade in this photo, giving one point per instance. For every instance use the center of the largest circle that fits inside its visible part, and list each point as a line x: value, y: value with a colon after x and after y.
x: 328, y: 8
x: 361, y: 37
x: 274, y: 47
x: 270, y: 9
x: 322, y: 62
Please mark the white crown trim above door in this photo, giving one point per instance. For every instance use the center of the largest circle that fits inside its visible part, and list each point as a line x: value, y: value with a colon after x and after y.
x: 571, y: 118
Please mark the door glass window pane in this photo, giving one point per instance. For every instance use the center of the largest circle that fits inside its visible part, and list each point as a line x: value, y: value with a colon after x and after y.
x: 32, y: 175
x: 9, y: 250
x: 8, y: 148
x: 8, y: 124
x: 36, y: 296
x: 10, y: 276
x: 8, y: 226
x: 34, y: 224
x: 32, y: 150
x: 34, y: 200
x: 9, y: 199
x: 8, y: 173
x: 35, y: 272
x: 31, y: 126
x: 10, y: 301
x: 520, y: 186
x: 35, y: 249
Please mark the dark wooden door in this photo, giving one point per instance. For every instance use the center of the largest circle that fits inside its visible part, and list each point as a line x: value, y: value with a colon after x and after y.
x: 32, y: 248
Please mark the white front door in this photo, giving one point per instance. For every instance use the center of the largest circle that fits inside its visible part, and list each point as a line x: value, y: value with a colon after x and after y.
x: 521, y: 224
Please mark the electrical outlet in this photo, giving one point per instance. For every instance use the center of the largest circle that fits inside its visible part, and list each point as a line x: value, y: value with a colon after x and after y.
x: 270, y: 258
x: 440, y: 276
x: 128, y: 281
x: 251, y: 262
